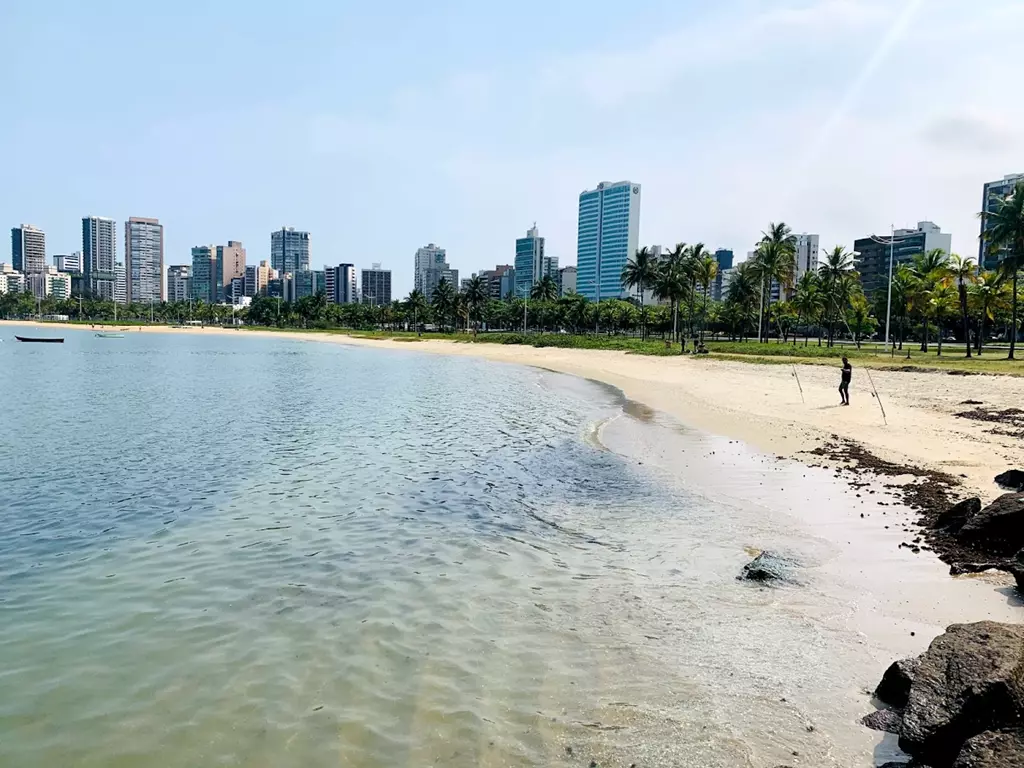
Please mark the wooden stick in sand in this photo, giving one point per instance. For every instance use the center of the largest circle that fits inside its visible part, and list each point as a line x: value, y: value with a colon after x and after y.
x: 802, y: 399
x: 877, y: 396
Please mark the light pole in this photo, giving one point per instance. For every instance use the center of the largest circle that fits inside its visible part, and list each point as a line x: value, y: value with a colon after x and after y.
x: 888, y: 301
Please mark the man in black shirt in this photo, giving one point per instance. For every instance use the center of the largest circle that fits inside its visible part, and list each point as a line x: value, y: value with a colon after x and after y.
x: 844, y: 385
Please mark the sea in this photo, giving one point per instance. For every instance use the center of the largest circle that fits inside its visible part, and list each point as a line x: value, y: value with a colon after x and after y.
x: 243, y: 550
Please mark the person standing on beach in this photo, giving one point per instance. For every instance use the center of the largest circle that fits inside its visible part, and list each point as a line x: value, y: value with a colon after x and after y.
x: 844, y: 385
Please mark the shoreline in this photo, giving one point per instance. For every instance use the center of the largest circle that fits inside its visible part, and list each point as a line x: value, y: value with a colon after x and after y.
x: 762, y: 405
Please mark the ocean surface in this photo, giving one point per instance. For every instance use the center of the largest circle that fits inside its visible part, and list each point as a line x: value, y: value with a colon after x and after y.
x: 248, y: 551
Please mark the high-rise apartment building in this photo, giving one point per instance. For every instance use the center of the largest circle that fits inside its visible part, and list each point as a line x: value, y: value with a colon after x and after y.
x: 724, y: 258
x: 120, y: 283
x: 49, y: 282
x: 608, y: 234
x: 28, y: 249
x: 11, y: 280
x: 144, y: 259
x: 256, y: 278
x: 289, y: 250
x: 340, y: 284
x: 230, y: 265
x: 568, y: 280
x: 430, y: 268
x: 805, y: 259
x: 99, y: 256
x: 203, y: 280
x: 178, y: 276
x: 70, y: 263
x: 507, y: 283
x: 377, y: 286
x: 872, y: 253
x: 529, y: 261
x: 992, y: 193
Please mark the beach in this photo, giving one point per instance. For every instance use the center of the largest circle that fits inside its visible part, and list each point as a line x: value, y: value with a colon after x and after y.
x: 763, y: 405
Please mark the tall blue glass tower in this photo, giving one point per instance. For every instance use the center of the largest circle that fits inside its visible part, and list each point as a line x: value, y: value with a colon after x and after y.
x: 609, y: 233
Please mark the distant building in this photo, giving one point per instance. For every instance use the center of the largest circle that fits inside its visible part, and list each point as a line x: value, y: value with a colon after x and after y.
x: 319, y: 281
x: 120, y: 284
x: 303, y: 284
x: 727, y: 275
x: 276, y: 288
x: 178, y: 282
x: 724, y: 257
x: 507, y: 283
x: 529, y: 261
x: 256, y: 278
x: 609, y: 231
x: 340, y: 284
x: 70, y: 263
x: 805, y: 259
x: 431, y: 267
x: 230, y: 265
x: 872, y: 253
x: 289, y: 250
x: 992, y: 193
x: 11, y: 280
x: 549, y: 268
x: 203, y: 279
x: 568, y: 280
x: 49, y: 282
x: 144, y: 259
x: 28, y: 249
x: 235, y: 290
x: 99, y: 256
x: 377, y: 286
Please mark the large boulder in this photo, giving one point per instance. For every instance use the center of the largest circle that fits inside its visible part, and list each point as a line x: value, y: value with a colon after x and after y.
x: 993, y: 749
x: 954, y: 518
x: 768, y: 567
x: 999, y: 527
x: 894, y: 689
x: 970, y: 680
x: 885, y: 720
x: 1012, y: 479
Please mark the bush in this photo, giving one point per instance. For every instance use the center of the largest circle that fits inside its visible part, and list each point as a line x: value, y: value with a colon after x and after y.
x: 513, y: 338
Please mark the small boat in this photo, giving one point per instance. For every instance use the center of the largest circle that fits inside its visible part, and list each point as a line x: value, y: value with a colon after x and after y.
x: 41, y: 340
x: 108, y: 335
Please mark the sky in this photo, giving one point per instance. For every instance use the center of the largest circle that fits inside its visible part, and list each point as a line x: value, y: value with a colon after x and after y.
x: 382, y: 127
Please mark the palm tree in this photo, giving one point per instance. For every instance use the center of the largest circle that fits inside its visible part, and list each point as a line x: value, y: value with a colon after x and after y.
x: 443, y: 301
x: 476, y: 295
x: 774, y: 262
x: 835, y: 275
x: 671, y: 283
x: 944, y: 301
x: 742, y: 296
x: 989, y: 293
x: 639, y: 274
x: 545, y: 289
x: 1003, y: 231
x: 416, y: 304
x: 931, y: 271
x: 705, y: 269
x: 691, y: 263
x: 808, y: 300
x: 964, y: 273
x: 903, y: 284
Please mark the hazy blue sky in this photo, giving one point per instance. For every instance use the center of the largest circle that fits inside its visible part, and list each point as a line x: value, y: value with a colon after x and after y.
x: 381, y: 126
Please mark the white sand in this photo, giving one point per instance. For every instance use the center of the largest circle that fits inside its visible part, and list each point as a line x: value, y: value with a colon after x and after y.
x: 761, y: 404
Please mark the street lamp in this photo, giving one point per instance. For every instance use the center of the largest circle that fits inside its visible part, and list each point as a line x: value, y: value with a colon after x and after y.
x: 892, y: 251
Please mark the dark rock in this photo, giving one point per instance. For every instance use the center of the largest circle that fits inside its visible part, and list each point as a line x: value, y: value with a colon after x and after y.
x: 957, y: 569
x: 954, y: 518
x: 993, y: 749
x: 768, y: 567
x: 999, y: 527
x: 894, y: 689
x: 886, y: 720
x: 1012, y: 479
x: 970, y: 680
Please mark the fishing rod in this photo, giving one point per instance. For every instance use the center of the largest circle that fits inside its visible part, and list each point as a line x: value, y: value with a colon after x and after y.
x: 877, y: 396
x: 802, y: 399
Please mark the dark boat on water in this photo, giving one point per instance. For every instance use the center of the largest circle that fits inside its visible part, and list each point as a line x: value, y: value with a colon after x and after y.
x: 41, y: 340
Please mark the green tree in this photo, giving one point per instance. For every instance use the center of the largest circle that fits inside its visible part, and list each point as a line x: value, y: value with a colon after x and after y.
x: 808, y: 300
x: 835, y: 274
x: 671, y: 283
x: 475, y: 297
x: 774, y: 262
x: 1004, y: 235
x: 931, y: 271
x: 443, y: 302
x: 963, y: 271
x: 859, y: 318
x: 944, y: 304
x: 639, y: 274
x: 989, y: 293
x: 416, y: 306
x: 706, y: 269
x: 545, y: 289
x: 742, y: 298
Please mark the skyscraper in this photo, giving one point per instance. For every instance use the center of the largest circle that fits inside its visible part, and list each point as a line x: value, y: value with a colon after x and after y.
x: 431, y: 266
x: 609, y: 231
x: 529, y: 262
x: 289, y: 250
x: 203, y: 280
x: 28, y: 249
x: 256, y: 278
x: 568, y: 280
x: 70, y: 263
x: 178, y: 282
x: 99, y: 256
x: 993, y: 192
x: 230, y: 264
x: 872, y: 253
x: 144, y: 259
x: 724, y: 258
x: 120, y: 283
x: 377, y: 286
x: 340, y: 284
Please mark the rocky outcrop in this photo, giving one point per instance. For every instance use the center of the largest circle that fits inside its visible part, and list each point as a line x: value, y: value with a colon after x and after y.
x: 954, y: 518
x: 1012, y: 479
x: 894, y: 689
x: 993, y: 749
x: 768, y: 567
x: 999, y: 527
x: 886, y: 720
x: 969, y: 682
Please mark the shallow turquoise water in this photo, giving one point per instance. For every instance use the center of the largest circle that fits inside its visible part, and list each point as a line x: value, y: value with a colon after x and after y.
x: 250, y: 551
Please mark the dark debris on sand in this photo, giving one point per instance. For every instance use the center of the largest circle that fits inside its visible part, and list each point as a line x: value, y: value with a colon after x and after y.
x: 1008, y: 421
